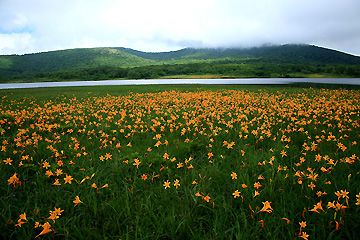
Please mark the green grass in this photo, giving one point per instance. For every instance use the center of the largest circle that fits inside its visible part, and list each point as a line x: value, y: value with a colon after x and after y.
x: 260, y: 133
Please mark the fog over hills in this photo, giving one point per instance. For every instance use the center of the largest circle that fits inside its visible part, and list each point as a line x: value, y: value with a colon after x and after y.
x: 81, y: 59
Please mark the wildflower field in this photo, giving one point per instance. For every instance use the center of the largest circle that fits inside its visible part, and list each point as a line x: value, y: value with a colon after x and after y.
x: 241, y: 163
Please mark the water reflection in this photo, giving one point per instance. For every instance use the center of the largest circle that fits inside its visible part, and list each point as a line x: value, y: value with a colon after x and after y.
x: 256, y: 81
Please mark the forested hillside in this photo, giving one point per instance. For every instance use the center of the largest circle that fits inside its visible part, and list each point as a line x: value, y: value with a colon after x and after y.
x: 108, y: 63
x: 290, y: 53
x: 72, y: 59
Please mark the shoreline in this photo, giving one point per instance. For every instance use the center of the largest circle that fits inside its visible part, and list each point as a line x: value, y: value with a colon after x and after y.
x: 238, y: 81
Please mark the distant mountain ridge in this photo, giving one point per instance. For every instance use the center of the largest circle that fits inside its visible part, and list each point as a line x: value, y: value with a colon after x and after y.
x: 119, y: 57
x: 73, y: 59
x: 291, y: 53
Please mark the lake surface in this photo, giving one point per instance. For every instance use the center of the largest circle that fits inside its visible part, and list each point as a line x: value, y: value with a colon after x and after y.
x: 256, y: 81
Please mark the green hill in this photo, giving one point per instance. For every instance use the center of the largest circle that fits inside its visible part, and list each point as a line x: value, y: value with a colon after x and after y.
x: 71, y: 59
x: 100, y: 63
x: 290, y: 53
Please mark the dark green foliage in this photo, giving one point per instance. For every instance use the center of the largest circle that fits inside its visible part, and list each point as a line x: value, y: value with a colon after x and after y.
x: 290, y: 53
x: 66, y: 61
x: 217, y: 69
x: 123, y: 63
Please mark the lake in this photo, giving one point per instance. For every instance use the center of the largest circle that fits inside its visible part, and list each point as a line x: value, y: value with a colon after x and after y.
x: 257, y: 81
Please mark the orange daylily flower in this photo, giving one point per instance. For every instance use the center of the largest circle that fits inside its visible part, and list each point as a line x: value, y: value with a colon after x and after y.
x: 317, y: 207
x: 176, y: 183
x: 302, y: 224
x: 312, y: 186
x: 49, y: 173
x: 46, y: 228
x: 233, y: 176
x: 53, y: 216
x: 207, y: 198
x: 77, y: 201
x: 46, y: 165
x: 7, y: 161
x: 144, y: 176
x: 56, y: 183
x: 23, y: 217
x: 68, y: 179
x: 19, y: 223
x: 57, y: 211
x: 166, y: 184
x: 136, y: 162
x: 166, y: 156
x: 59, y: 172
x: 304, y: 236
x: 342, y: 193
x: 180, y: 165
x: 236, y: 194
x: 318, y: 158
x: 108, y: 156
x: 267, y: 207
x: 257, y: 185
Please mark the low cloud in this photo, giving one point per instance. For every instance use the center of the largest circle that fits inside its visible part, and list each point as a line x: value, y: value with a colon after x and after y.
x: 162, y: 25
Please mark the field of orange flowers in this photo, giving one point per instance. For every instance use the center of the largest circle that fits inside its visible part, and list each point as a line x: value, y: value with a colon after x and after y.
x: 220, y: 164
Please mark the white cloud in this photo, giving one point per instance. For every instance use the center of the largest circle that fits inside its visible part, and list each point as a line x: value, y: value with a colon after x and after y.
x: 162, y: 25
x: 22, y: 42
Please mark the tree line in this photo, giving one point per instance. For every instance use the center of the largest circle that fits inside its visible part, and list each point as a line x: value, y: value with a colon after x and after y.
x: 225, y: 68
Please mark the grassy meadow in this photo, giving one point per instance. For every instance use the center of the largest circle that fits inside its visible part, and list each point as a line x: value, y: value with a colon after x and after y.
x: 180, y: 162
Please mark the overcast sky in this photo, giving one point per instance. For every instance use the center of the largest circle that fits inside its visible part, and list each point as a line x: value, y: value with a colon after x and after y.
x: 28, y: 26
